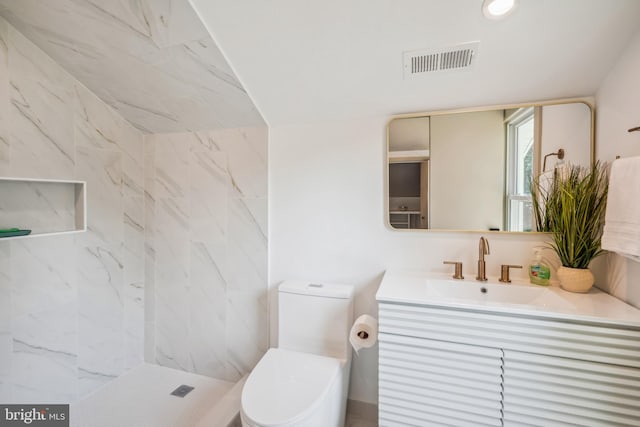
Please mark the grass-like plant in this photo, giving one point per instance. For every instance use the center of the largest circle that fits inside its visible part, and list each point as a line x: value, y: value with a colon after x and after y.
x: 571, y: 206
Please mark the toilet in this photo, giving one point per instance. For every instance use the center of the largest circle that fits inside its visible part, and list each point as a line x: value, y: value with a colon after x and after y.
x: 305, y: 380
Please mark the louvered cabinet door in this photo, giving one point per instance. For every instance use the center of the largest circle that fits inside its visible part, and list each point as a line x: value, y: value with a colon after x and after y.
x: 435, y: 383
x: 550, y: 391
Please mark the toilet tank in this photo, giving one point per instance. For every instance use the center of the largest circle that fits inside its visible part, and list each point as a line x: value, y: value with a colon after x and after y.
x: 315, y: 318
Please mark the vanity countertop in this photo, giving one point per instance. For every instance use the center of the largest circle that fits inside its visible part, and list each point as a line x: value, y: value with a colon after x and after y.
x: 518, y: 297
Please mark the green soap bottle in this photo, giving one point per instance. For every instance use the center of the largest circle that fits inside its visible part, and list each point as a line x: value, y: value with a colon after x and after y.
x: 539, y: 272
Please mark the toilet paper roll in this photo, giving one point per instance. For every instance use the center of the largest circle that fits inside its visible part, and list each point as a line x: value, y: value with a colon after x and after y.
x: 364, y: 332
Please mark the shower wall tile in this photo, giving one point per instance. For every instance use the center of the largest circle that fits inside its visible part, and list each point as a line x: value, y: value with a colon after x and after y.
x: 172, y: 326
x: 4, y: 100
x: 134, y: 324
x: 172, y: 268
x: 207, y: 302
x: 71, y: 307
x: 209, y: 227
x: 5, y: 288
x: 172, y: 22
x: 43, y: 375
x: 101, y: 313
x: 5, y: 321
x: 102, y: 170
x: 149, y: 249
x: 99, y: 126
x: 171, y: 218
x: 257, y: 208
x: 208, y: 196
x: 96, y: 125
x: 6, y: 348
x: 42, y: 274
x: 134, y: 233
x: 134, y: 283
x: 247, y: 159
x: 246, y: 302
x: 171, y: 167
x: 203, y: 141
x: 171, y: 297
x: 44, y: 320
x: 41, y: 131
x: 132, y: 161
x: 246, y: 331
x: 247, y: 246
x: 175, y: 77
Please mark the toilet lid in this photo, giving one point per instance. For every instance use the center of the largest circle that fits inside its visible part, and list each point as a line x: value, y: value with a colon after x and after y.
x: 285, y: 385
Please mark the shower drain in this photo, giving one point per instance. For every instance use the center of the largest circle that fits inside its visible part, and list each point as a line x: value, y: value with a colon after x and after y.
x: 182, y: 391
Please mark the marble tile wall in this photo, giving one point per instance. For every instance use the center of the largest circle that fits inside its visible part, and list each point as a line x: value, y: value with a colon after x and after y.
x: 151, y: 60
x: 72, y: 306
x: 173, y: 267
x: 206, y: 254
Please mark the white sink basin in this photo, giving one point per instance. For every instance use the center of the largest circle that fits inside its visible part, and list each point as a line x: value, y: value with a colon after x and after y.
x: 436, y: 289
x: 487, y: 292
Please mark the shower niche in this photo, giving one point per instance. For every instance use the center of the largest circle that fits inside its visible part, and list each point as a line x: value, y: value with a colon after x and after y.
x: 46, y: 207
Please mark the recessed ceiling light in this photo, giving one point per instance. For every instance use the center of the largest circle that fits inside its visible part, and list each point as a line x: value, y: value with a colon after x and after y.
x: 497, y: 9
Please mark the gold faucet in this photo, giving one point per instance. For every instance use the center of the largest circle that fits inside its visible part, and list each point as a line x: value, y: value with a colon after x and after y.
x: 483, y: 249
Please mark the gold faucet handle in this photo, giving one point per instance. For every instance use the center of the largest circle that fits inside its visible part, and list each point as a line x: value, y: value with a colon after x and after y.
x: 458, y: 270
x: 504, y: 272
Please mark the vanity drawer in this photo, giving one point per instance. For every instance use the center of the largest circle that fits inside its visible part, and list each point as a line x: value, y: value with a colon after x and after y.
x: 554, y: 337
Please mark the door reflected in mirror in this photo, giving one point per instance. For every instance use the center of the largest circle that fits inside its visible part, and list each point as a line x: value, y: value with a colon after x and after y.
x: 472, y: 170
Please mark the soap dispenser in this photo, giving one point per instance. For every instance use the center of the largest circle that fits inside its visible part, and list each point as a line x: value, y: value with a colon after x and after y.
x: 539, y: 272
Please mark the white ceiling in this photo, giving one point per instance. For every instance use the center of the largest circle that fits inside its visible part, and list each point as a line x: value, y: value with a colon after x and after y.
x: 152, y: 60
x: 304, y: 61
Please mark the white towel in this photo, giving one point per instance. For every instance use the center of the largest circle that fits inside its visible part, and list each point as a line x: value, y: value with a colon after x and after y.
x: 622, y: 219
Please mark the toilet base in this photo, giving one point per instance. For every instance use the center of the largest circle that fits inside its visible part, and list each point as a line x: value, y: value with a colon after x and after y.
x: 330, y: 413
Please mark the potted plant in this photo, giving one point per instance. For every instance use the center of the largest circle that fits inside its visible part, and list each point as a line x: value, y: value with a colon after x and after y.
x: 571, y: 206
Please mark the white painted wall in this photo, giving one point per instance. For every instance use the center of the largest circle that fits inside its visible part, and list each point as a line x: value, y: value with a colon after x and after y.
x: 467, y: 152
x: 409, y: 134
x: 618, y: 109
x: 326, y: 223
x: 566, y: 126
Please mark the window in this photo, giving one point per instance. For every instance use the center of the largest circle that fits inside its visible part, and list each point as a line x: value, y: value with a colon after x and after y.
x: 520, y: 170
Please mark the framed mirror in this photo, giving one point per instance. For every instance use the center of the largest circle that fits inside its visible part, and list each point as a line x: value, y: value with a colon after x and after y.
x: 471, y: 169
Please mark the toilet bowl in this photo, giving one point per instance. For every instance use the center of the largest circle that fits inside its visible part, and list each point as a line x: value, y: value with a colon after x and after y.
x: 304, y: 382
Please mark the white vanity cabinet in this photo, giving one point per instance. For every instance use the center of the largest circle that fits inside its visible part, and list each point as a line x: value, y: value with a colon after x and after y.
x: 438, y: 381
x: 465, y: 366
x: 553, y: 391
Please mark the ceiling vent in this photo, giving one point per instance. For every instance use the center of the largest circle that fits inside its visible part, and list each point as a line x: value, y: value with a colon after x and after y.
x: 421, y: 62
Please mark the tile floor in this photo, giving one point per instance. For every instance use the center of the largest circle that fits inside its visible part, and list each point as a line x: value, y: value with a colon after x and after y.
x: 356, y: 421
x: 361, y: 414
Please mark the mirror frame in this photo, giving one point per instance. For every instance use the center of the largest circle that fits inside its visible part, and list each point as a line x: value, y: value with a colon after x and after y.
x: 588, y: 101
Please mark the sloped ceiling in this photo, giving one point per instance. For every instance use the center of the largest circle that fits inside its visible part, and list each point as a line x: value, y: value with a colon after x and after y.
x: 152, y: 60
x: 304, y: 61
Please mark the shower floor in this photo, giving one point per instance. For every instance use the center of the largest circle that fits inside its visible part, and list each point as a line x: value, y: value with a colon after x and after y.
x: 142, y: 398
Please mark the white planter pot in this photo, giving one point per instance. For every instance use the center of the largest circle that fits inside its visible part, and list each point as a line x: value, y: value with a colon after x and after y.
x: 575, y: 279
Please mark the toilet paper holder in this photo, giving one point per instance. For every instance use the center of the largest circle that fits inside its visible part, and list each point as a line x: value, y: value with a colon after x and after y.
x: 364, y: 332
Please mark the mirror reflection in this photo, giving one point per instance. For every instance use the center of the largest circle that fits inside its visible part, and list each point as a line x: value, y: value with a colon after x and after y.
x: 472, y: 170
